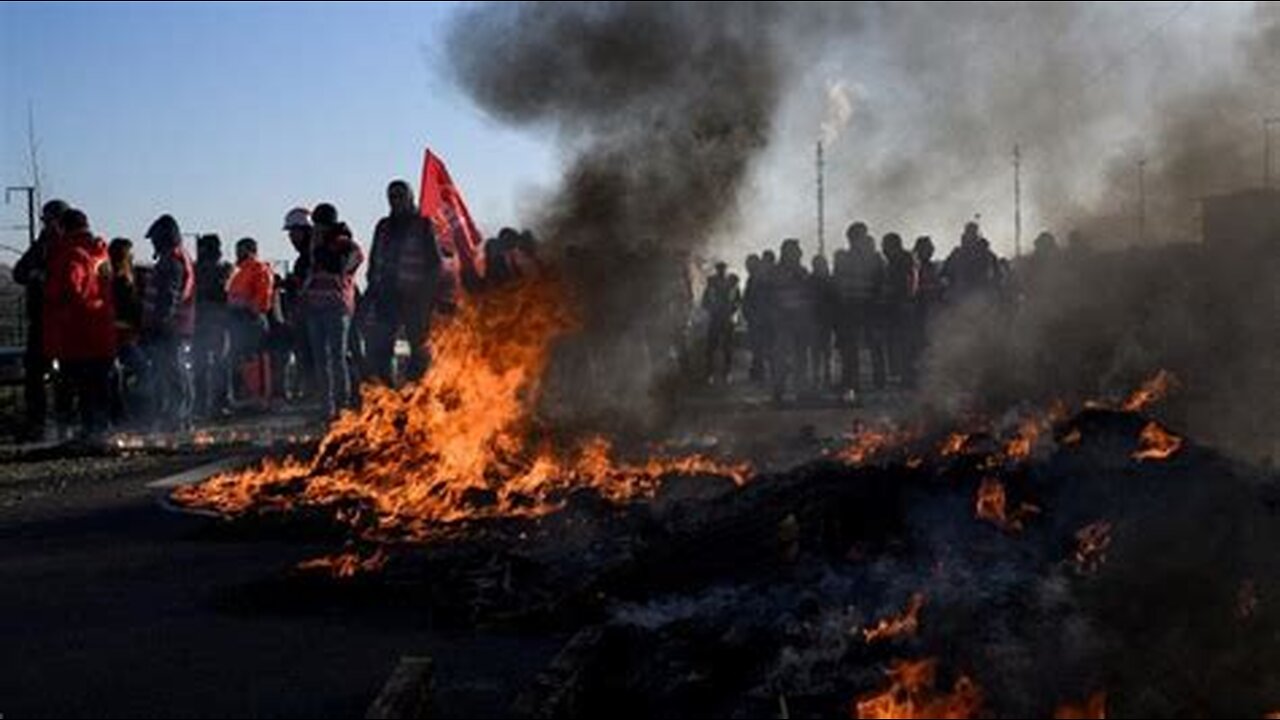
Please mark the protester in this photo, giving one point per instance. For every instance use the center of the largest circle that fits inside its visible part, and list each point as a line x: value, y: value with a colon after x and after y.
x: 901, y: 281
x: 927, y: 298
x: 404, y: 273
x: 297, y: 223
x: 168, y: 322
x: 130, y: 369
x: 826, y: 313
x: 31, y: 272
x: 329, y: 300
x: 249, y: 300
x: 79, y: 318
x: 793, y: 312
x: 859, y: 277
x: 971, y: 270
x: 721, y: 301
x: 210, y: 346
x: 755, y: 313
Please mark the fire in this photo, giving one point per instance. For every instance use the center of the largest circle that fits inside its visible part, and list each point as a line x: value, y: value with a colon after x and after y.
x: 868, y: 442
x: 347, y: 564
x: 954, y: 444
x: 1072, y: 438
x: 458, y: 445
x: 1156, y: 443
x: 991, y: 506
x: 911, y: 694
x: 1019, y: 448
x: 1092, y: 542
x: 1095, y: 708
x: 892, y: 627
x: 1152, y: 391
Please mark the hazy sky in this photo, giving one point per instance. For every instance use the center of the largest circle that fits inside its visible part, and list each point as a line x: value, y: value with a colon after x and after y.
x: 227, y: 115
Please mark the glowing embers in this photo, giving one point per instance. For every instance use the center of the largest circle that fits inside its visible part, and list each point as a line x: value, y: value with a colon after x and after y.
x: 1156, y: 443
x: 1094, y: 708
x: 869, y: 442
x: 1092, y: 542
x: 911, y: 694
x: 902, y: 625
x: 991, y: 506
x: 1152, y: 391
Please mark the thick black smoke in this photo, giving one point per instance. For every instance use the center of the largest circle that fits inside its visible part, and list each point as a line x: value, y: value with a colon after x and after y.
x: 661, y: 109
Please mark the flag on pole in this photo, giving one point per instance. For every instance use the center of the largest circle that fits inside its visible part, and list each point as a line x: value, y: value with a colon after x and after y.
x: 442, y: 203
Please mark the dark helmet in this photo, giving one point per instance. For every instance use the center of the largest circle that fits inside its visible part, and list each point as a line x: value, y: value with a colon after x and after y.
x: 209, y: 246
x: 165, y: 232
x: 892, y: 242
x: 53, y: 210
x: 325, y: 214
x: 73, y: 220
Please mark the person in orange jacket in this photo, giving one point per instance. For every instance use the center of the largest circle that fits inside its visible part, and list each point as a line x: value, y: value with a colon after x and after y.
x: 79, y: 318
x: 249, y: 296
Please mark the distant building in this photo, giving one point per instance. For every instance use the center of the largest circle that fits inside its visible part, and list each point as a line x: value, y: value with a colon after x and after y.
x: 1248, y: 217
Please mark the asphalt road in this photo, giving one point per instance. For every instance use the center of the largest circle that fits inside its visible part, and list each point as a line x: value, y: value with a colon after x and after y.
x: 112, y: 607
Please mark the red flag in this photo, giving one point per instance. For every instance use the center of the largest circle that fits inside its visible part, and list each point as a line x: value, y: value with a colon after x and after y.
x: 442, y: 203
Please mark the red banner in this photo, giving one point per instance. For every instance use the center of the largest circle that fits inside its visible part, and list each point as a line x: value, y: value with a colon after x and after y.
x: 442, y: 203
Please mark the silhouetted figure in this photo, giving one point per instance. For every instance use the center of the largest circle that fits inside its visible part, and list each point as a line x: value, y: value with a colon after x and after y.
x: 826, y: 311
x: 971, y: 270
x: 31, y: 272
x: 211, y: 345
x: 79, y: 318
x: 297, y: 223
x: 899, y: 290
x: 721, y: 300
x: 755, y: 311
x: 793, y: 319
x: 168, y: 321
x: 404, y: 274
x: 859, y: 276
x: 130, y: 372
x: 927, y: 298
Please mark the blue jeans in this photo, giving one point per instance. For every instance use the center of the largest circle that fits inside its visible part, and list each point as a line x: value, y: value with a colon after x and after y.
x: 327, y: 334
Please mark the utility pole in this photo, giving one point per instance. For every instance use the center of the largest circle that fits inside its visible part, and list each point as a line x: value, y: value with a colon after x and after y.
x: 822, y: 245
x: 30, y: 191
x: 1142, y: 201
x: 1017, y: 201
x: 1267, y: 122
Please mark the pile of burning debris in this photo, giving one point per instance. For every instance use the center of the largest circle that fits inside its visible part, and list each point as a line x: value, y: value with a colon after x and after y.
x: 1068, y: 563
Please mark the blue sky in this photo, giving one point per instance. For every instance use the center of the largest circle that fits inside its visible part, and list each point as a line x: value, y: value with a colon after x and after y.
x: 227, y: 115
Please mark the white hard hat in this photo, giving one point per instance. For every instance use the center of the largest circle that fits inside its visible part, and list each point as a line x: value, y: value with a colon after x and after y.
x: 298, y: 217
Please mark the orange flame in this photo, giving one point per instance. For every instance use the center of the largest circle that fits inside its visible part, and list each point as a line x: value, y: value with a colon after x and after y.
x: 867, y: 442
x: 1155, y: 389
x: 1156, y: 443
x: 911, y: 695
x: 346, y: 564
x: 1092, y: 542
x: 1019, y: 448
x: 905, y: 624
x: 954, y: 444
x: 991, y: 506
x: 459, y: 444
x: 1095, y: 708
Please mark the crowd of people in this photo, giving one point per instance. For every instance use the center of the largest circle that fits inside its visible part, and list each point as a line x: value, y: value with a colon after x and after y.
x: 179, y: 340
x: 814, y: 329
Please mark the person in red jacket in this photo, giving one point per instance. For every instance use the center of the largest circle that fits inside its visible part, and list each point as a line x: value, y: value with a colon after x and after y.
x: 329, y: 300
x: 249, y: 297
x: 79, y: 318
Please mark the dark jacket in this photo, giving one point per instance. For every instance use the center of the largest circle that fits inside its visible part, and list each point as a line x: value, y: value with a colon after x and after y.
x: 331, y: 283
x: 32, y: 271
x: 393, y: 269
x: 168, y: 305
